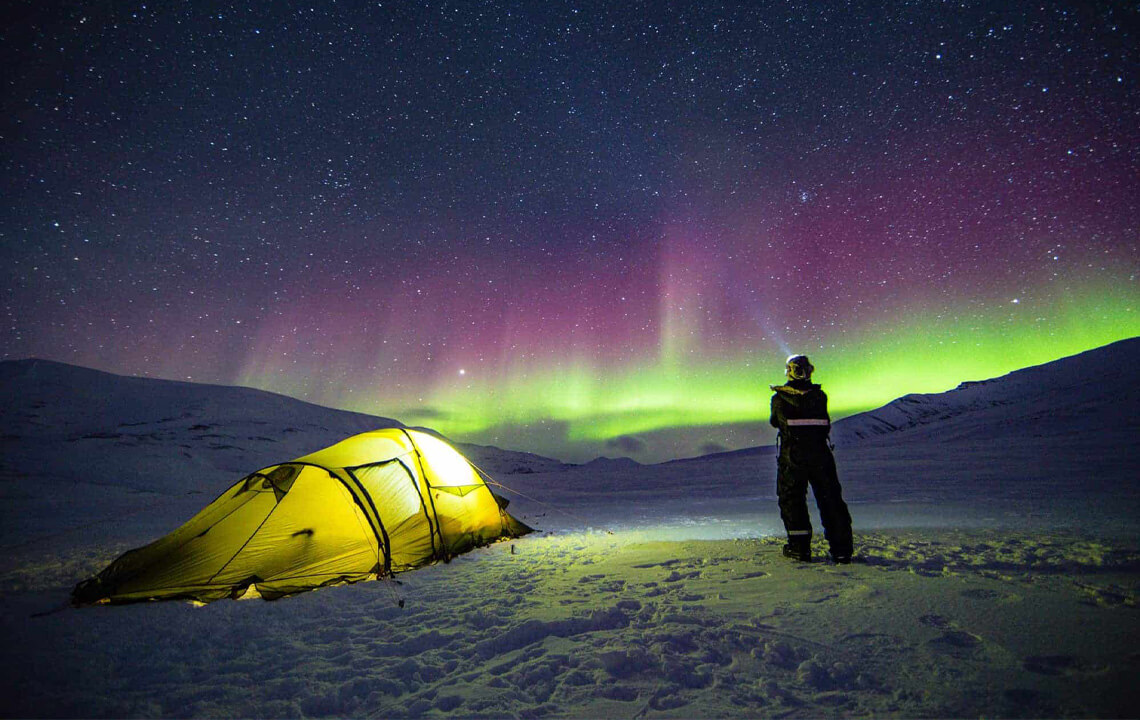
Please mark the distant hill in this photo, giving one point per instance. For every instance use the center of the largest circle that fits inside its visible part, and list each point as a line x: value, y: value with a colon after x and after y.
x: 158, y: 433
x: 1095, y: 393
x: 42, y: 398
x: 55, y: 410
x: 77, y: 443
x: 82, y: 450
x: 606, y: 464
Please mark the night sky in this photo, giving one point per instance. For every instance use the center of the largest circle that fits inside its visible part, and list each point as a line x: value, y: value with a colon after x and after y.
x: 571, y: 228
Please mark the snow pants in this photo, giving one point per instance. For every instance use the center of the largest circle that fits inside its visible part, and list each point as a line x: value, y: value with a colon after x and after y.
x: 794, y: 472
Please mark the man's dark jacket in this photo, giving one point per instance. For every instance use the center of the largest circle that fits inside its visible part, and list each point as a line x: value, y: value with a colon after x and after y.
x: 799, y: 412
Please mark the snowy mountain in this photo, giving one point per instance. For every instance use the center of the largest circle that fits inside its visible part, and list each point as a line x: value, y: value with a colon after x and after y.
x: 90, y: 413
x: 230, y: 429
x: 1095, y: 394
x: 79, y: 444
x: 608, y: 463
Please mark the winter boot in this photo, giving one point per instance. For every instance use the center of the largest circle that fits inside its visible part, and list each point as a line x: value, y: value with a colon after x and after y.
x: 797, y: 551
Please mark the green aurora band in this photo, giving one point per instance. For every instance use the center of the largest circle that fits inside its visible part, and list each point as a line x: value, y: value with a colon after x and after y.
x: 565, y: 402
x: 917, y: 353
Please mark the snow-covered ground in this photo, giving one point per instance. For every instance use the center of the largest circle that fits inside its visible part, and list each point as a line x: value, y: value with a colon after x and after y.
x: 996, y: 525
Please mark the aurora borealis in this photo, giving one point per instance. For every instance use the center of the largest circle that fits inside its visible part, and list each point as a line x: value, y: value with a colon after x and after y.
x: 569, y: 228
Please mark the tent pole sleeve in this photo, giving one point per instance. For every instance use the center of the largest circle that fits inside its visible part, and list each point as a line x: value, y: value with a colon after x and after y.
x: 383, y: 534
x: 435, y: 549
x: 420, y: 463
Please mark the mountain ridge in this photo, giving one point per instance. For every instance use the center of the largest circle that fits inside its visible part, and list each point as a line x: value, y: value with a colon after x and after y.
x: 1107, y: 378
x: 76, y: 403
x: 234, y: 429
x: 77, y: 443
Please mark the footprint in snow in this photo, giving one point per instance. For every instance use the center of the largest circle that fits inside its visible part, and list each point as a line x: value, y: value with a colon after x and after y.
x: 956, y: 640
x: 936, y: 621
x: 824, y: 598
x: 952, y: 639
x: 980, y: 594
x: 1054, y: 665
x: 664, y: 564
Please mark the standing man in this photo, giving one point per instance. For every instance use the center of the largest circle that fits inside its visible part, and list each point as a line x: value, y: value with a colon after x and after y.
x: 799, y: 412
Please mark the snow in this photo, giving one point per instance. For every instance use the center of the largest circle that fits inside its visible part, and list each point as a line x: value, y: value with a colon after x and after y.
x: 996, y: 532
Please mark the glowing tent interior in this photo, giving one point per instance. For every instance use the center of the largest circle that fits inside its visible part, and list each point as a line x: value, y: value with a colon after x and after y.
x: 369, y: 506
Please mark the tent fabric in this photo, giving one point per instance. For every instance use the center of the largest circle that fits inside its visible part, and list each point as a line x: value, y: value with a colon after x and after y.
x: 372, y: 505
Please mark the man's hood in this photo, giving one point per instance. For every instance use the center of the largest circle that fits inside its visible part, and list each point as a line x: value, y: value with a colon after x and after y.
x: 795, y: 394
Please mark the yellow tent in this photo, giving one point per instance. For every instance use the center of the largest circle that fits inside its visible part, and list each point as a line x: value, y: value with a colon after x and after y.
x: 372, y: 505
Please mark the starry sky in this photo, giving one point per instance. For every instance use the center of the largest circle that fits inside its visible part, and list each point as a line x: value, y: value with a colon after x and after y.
x: 573, y: 228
